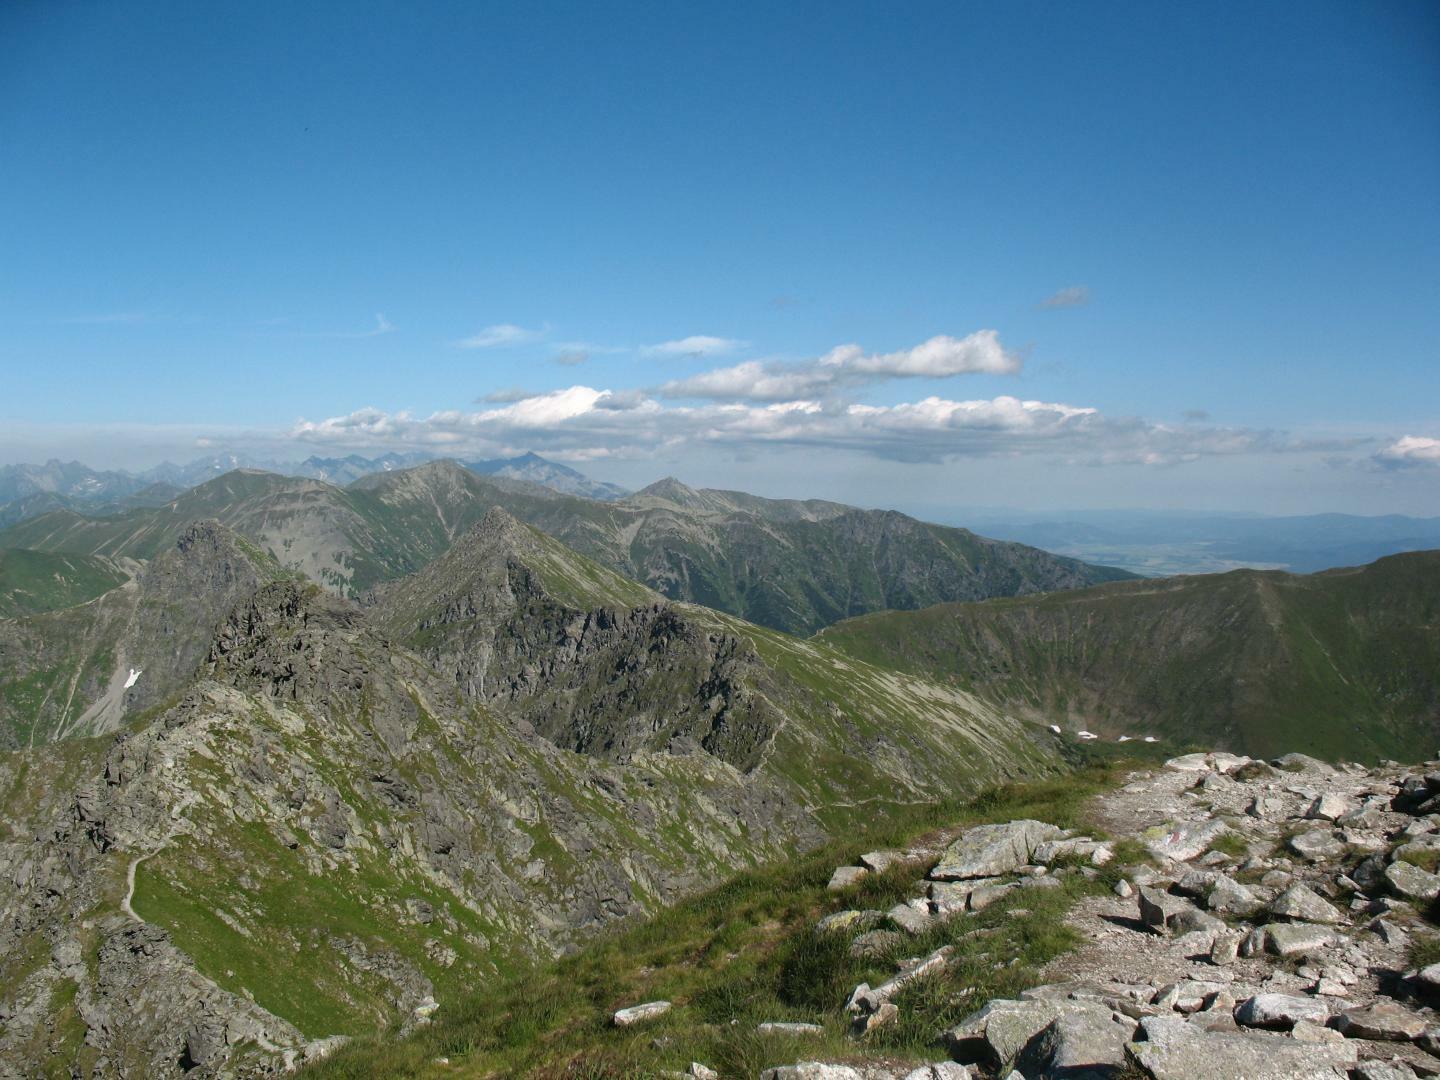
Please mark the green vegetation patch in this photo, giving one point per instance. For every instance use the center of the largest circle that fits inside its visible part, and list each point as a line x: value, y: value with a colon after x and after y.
x: 747, y: 952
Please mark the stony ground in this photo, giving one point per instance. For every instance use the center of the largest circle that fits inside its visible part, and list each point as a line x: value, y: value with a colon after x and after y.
x: 1278, y: 927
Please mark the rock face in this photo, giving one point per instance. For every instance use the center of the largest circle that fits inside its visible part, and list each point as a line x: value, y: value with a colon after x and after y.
x: 990, y: 850
x: 637, y: 675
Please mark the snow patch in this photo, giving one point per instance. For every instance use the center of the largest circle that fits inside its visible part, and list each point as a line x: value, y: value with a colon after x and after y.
x: 134, y: 677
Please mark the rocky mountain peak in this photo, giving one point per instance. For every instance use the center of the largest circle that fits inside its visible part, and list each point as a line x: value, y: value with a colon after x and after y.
x: 289, y: 638
x: 671, y: 490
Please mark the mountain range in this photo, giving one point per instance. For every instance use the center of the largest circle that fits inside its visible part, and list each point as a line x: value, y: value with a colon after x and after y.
x: 28, y: 491
x: 290, y: 760
x: 794, y: 566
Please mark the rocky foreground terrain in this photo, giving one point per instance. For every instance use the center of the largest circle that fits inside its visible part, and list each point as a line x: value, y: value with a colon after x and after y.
x: 1276, y: 929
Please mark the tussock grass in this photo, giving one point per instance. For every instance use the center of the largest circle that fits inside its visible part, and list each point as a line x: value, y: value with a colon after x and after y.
x: 747, y: 952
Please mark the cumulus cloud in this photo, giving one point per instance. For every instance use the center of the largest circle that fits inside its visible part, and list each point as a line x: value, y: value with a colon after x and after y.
x: 1070, y: 296
x: 1408, y: 452
x: 581, y: 422
x: 500, y: 335
x: 695, y: 345
x: 940, y: 357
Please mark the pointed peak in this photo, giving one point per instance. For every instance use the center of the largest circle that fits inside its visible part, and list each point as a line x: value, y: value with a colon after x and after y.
x: 671, y: 490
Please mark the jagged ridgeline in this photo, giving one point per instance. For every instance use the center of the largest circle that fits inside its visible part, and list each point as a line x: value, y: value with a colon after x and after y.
x: 790, y: 565
x: 352, y: 807
x: 1343, y: 664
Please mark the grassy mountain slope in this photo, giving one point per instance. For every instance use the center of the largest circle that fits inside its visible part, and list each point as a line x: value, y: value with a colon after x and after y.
x: 792, y: 566
x: 1344, y: 663
x: 36, y: 581
x: 748, y: 953
x: 64, y: 673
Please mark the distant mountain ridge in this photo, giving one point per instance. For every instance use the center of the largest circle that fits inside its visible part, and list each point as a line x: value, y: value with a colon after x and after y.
x: 790, y: 565
x: 1158, y: 543
x: 28, y: 491
x: 1338, y: 664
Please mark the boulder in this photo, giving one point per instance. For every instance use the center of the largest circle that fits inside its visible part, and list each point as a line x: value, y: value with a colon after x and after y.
x: 1095, y: 852
x: 1229, y: 897
x: 1384, y: 1021
x: 1303, y: 763
x: 1176, y: 1049
x: 1265, y: 808
x: 1186, y: 840
x: 992, y: 850
x: 880, y: 861
x: 1189, y: 763
x: 986, y: 895
x: 866, y: 999
x: 1280, y: 1011
x: 1297, y: 939
x: 1084, y: 1039
x: 865, y: 1023
x: 1159, y: 909
x: 1305, y: 905
x: 778, y: 1027
x: 1316, y: 844
x: 999, y: 1031
x: 911, y: 920
x: 1225, y: 948
x: 812, y: 1070
x: 1328, y: 806
x: 1409, y: 881
x: 941, y: 1070
x: 875, y: 942
x: 636, y: 1014
x: 845, y: 876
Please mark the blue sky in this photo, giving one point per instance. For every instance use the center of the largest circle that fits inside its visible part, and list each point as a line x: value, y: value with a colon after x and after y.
x: 1162, y: 256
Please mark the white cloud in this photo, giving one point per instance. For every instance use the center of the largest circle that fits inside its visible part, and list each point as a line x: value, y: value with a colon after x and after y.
x: 583, y: 422
x: 1410, y: 451
x: 940, y: 357
x: 1070, y: 296
x: 695, y: 345
x: 499, y: 335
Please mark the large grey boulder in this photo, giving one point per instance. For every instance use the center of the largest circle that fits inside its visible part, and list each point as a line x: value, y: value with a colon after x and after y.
x: 1175, y: 1049
x: 1280, y: 1011
x: 1229, y: 897
x: 999, y: 1031
x: 1297, y: 939
x: 1186, y: 840
x: 1384, y: 1020
x: 1304, y: 904
x: 992, y: 850
x: 1159, y: 910
x: 1409, y: 881
x: 1315, y: 845
x: 1084, y: 1040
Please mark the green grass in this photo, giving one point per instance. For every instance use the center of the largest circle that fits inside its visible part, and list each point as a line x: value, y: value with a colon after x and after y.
x: 32, y: 582
x: 747, y: 952
x: 1231, y: 843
